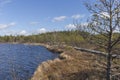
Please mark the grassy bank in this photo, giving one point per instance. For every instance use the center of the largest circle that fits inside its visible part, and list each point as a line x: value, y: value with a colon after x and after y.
x: 71, y: 65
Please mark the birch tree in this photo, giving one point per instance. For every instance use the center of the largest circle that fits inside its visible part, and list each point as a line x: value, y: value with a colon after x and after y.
x: 105, y: 22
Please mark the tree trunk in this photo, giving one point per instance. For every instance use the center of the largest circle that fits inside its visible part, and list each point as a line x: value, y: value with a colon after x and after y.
x: 109, y: 66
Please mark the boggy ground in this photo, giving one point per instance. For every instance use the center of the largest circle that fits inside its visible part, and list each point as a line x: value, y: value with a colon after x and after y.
x: 71, y: 65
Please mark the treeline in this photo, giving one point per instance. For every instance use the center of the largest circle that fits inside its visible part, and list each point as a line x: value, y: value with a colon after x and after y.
x: 59, y: 37
x: 73, y: 38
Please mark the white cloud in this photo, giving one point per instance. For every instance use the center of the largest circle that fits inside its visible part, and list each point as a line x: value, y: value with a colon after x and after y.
x: 58, y: 19
x: 42, y: 30
x: 15, y: 32
x: 3, y: 26
x: 12, y: 24
x: 70, y: 26
x: 23, y: 32
x: 104, y: 15
x: 77, y: 16
x: 34, y: 23
x: 84, y: 24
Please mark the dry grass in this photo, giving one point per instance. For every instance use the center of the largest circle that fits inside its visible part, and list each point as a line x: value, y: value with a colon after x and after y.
x: 72, y: 65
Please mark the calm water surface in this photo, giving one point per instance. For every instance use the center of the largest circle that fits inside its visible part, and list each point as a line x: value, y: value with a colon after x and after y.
x: 18, y: 61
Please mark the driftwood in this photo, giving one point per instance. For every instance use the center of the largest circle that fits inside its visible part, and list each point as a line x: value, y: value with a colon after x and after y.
x: 97, y: 52
x: 91, y: 51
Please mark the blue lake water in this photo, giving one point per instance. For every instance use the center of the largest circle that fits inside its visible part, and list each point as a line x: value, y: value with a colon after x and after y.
x: 19, y: 61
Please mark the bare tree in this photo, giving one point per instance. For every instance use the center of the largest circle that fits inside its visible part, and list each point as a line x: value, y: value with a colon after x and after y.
x: 105, y: 26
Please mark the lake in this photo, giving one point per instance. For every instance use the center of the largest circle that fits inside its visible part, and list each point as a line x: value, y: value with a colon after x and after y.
x: 19, y: 61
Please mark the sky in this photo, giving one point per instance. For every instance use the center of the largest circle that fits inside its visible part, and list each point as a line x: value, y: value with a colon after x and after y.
x: 26, y: 17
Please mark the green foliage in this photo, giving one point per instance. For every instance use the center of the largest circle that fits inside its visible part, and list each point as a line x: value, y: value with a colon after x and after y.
x: 59, y: 37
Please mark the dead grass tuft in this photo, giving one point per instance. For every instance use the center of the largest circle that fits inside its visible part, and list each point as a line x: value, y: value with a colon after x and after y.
x: 72, y: 65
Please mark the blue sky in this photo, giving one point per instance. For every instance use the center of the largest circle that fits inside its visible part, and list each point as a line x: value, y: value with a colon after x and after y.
x: 37, y: 16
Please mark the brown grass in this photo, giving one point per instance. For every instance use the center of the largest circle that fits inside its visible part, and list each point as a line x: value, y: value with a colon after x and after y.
x: 72, y: 65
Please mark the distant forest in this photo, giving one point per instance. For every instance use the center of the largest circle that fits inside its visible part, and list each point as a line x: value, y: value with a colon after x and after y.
x: 72, y: 38
x: 60, y: 37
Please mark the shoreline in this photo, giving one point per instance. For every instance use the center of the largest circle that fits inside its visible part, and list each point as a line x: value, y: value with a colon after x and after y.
x: 46, y: 64
x: 51, y: 48
x: 70, y: 65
